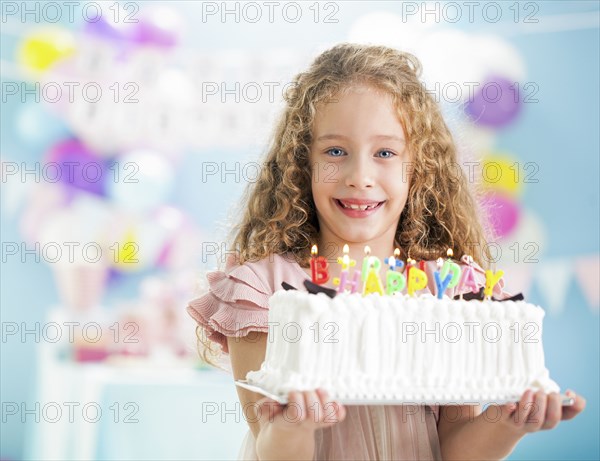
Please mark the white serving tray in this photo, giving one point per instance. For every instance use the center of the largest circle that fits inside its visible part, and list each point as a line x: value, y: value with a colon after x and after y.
x: 566, y: 400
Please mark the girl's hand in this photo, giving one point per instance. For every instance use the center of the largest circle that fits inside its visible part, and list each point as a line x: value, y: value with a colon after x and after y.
x: 305, y: 411
x: 539, y: 411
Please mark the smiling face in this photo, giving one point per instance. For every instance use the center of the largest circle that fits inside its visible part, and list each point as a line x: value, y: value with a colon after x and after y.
x: 358, y: 156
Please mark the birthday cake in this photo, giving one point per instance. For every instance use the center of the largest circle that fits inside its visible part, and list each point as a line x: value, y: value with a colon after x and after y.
x: 405, y: 348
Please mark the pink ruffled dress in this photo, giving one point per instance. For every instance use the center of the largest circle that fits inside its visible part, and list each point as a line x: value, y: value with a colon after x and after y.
x: 237, y: 303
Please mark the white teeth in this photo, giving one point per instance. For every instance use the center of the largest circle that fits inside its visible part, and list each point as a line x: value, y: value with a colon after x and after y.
x: 353, y: 206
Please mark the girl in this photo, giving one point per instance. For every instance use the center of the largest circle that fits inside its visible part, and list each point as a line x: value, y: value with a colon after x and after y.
x: 360, y: 156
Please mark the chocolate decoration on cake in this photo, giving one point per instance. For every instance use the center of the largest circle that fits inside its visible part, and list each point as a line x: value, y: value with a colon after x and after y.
x: 517, y: 297
x: 314, y: 289
x: 480, y: 296
x: 471, y: 295
x: 287, y: 287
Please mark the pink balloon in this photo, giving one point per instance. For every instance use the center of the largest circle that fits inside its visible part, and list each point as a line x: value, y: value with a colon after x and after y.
x: 503, y: 212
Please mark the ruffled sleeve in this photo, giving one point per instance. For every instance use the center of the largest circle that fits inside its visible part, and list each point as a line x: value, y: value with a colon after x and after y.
x: 236, y: 303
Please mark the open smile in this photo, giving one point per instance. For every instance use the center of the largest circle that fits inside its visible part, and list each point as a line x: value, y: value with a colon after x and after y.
x: 358, y: 208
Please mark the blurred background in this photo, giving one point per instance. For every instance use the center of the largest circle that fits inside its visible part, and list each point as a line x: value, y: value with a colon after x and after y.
x: 130, y: 129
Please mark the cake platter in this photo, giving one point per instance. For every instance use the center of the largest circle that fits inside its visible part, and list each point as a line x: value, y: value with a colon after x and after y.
x: 282, y: 399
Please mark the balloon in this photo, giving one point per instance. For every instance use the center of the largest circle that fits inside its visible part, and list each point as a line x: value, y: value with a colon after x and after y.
x: 144, y: 181
x: 72, y: 163
x: 126, y: 256
x: 139, y: 247
x: 114, y: 276
x: 84, y: 220
x: 495, y: 103
x: 39, y: 51
x: 503, y: 212
x: 108, y: 29
x: 36, y: 127
x: 501, y: 173
x: 158, y: 26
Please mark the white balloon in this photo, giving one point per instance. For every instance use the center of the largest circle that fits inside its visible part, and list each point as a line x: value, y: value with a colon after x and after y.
x: 498, y: 57
x: 388, y: 29
x: 144, y: 181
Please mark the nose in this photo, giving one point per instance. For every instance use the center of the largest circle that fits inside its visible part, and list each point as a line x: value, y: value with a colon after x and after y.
x: 360, y: 173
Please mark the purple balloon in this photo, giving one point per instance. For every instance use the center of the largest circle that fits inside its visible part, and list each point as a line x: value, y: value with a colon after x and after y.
x: 114, y: 276
x: 105, y: 30
x: 73, y: 164
x: 149, y: 33
x: 496, y: 103
x: 503, y: 213
x: 156, y: 26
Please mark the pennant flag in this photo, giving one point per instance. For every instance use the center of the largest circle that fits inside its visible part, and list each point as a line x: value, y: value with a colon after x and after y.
x: 553, y: 279
x: 587, y: 271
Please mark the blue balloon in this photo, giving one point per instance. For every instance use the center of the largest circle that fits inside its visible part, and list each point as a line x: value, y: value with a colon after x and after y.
x: 36, y: 128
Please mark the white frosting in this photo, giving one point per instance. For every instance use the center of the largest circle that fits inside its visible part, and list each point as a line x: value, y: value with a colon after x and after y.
x: 401, y: 347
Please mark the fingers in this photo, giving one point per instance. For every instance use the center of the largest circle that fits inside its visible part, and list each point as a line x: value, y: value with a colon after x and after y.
x: 541, y: 411
x: 334, y: 412
x: 523, y: 410
x: 553, y: 411
x: 536, y: 418
x: 313, y: 408
x: 573, y: 410
x: 268, y: 407
x: 295, y: 410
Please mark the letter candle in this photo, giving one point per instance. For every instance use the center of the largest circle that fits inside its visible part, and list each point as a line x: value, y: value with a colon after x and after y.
x: 416, y: 278
x: 468, y: 276
x: 373, y: 283
x: 394, y: 281
x: 318, y: 267
x: 365, y: 263
x: 409, y: 265
x: 451, y: 266
x: 355, y: 281
x: 490, y: 280
x: 394, y: 261
x: 346, y: 263
x: 441, y: 282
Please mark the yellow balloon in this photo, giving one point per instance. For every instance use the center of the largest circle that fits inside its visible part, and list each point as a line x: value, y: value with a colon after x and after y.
x: 126, y: 258
x: 39, y: 51
x: 503, y: 173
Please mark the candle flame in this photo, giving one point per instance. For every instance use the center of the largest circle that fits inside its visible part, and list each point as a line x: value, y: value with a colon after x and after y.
x: 396, y: 253
x: 314, y: 250
x: 346, y: 249
x: 367, y: 249
x: 450, y: 253
x: 440, y: 262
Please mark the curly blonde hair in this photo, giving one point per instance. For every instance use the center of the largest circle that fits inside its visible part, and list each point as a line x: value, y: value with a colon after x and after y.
x: 440, y: 213
x: 279, y: 214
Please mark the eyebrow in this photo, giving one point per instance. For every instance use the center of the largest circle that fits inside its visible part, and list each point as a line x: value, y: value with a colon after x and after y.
x: 384, y: 137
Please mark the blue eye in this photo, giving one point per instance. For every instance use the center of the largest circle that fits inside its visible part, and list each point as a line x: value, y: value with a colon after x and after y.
x: 389, y: 154
x: 335, y: 152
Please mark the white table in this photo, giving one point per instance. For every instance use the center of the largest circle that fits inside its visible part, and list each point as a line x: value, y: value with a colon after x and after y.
x: 147, y: 413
